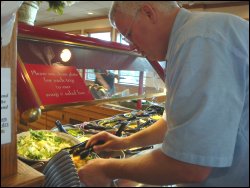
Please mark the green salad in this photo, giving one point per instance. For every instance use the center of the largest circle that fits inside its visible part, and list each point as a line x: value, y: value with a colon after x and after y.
x: 40, y: 145
x: 75, y: 132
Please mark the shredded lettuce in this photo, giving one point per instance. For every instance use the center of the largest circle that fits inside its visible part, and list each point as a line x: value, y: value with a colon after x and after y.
x: 40, y: 145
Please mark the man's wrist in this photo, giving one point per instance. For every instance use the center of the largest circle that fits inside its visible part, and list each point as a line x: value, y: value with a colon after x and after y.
x: 113, y: 167
x: 127, y: 143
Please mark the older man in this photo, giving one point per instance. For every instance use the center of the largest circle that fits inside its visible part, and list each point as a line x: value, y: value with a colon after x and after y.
x: 205, y: 130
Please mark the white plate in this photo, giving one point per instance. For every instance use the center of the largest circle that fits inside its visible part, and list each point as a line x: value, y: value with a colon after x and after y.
x: 65, y: 136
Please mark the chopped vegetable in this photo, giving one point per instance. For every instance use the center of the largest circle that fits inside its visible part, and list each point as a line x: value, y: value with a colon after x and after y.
x: 81, y: 162
x: 40, y: 145
x: 75, y: 132
x: 83, y: 138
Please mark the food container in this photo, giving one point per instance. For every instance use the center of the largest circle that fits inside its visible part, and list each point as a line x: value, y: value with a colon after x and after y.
x: 41, y: 145
x: 112, y: 154
x: 73, y: 131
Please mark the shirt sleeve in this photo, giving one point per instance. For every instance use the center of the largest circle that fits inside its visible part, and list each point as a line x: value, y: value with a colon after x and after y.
x: 204, y: 103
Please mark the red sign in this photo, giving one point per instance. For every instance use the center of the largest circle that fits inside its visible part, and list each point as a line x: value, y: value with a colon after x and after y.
x: 58, y: 84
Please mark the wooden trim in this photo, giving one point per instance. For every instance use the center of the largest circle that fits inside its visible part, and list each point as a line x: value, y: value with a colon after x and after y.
x: 78, y: 32
x: 9, y: 151
x: 116, y: 33
x: 74, y: 21
x: 113, y: 34
x: 215, y: 5
x: 26, y: 177
x: 98, y: 30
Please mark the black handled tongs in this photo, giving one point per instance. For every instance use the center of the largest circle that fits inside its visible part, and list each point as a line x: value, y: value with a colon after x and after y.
x: 72, y: 149
x: 83, y: 154
x: 121, y: 128
x: 86, y: 151
x: 60, y: 127
x: 80, y: 149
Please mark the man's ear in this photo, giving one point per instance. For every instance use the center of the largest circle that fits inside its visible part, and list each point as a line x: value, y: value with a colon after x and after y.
x: 150, y: 12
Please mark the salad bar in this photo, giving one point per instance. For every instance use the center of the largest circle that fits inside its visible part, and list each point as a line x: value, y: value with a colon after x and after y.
x: 42, y: 149
x: 135, y: 121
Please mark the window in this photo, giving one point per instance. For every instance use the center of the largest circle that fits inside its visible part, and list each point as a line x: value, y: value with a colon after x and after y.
x: 126, y: 77
x: 103, y: 36
x: 119, y: 39
x: 90, y: 75
x: 100, y: 33
x: 130, y: 77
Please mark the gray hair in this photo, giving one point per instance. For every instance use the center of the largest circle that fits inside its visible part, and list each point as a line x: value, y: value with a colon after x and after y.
x: 130, y: 7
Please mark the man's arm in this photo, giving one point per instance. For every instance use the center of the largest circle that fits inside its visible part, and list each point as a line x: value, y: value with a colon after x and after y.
x: 149, y: 136
x: 155, y: 168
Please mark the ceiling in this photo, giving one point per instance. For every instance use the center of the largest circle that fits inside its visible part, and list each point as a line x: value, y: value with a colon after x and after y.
x: 77, y: 11
x: 80, y: 10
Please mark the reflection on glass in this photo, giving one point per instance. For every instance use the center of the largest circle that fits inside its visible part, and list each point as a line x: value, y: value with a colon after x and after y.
x: 65, y: 55
x: 122, y: 83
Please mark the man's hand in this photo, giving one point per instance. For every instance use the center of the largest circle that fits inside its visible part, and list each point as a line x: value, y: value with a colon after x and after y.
x: 111, y: 142
x: 92, y: 174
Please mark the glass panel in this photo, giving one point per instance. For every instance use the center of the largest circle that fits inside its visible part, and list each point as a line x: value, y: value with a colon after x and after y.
x: 133, y: 75
x: 103, y: 36
x: 123, y: 84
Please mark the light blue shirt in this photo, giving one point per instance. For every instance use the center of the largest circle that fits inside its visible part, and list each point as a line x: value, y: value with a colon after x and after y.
x: 207, y: 105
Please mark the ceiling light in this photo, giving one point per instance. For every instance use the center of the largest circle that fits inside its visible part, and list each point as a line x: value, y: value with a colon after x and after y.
x: 90, y: 13
x: 65, y: 55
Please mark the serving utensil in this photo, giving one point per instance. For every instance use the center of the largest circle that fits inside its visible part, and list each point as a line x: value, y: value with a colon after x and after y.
x: 89, y: 150
x: 86, y: 151
x: 60, y: 127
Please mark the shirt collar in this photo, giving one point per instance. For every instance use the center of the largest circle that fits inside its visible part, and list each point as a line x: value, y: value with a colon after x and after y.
x: 180, y: 20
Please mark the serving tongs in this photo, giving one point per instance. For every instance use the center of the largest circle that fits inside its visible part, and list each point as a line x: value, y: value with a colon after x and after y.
x: 83, y: 152
x: 60, y: 127
x: 74, y: 148
x: 86, y: 151
x: 95, y: 127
